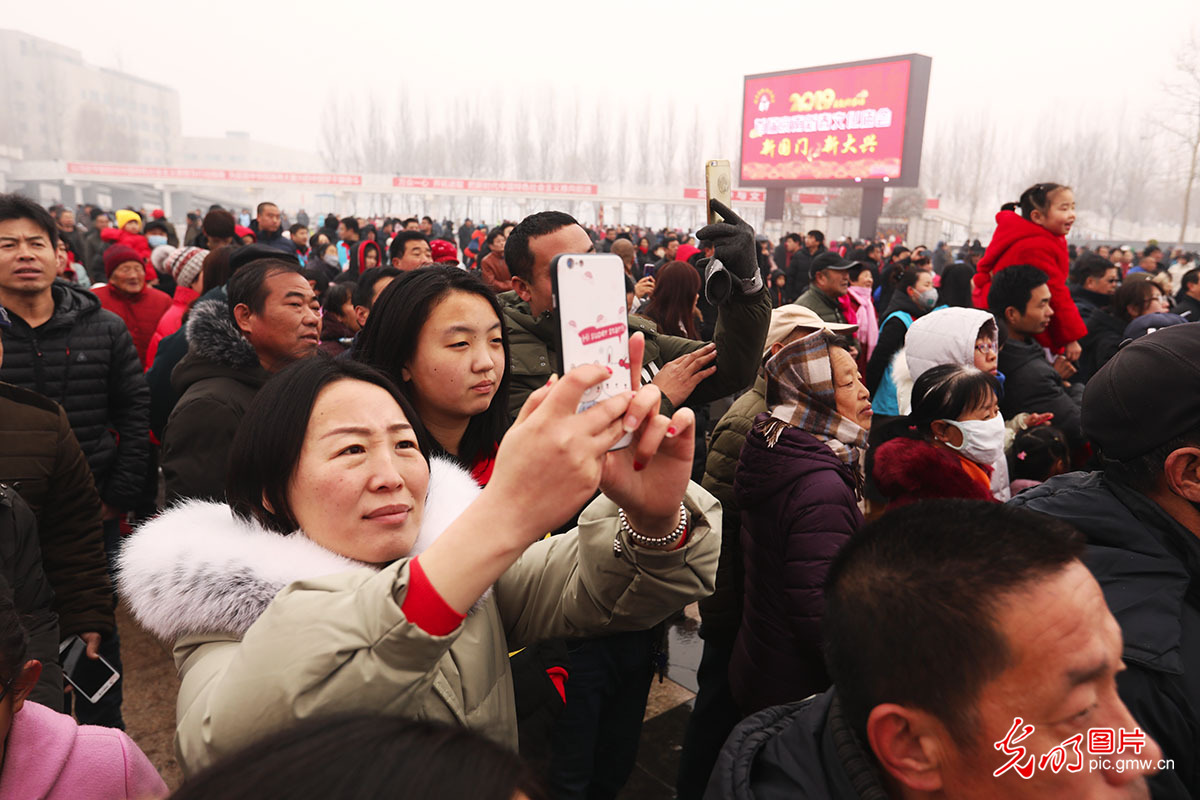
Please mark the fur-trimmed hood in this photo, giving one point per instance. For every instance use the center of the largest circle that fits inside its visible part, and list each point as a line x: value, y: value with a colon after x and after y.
x: 211, y: 335
x: 198, y: 569
x: 906, y: 470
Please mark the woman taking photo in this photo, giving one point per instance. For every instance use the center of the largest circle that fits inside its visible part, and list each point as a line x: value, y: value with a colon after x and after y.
x: 798, y: 483
x: 947, y: 445
x: 437, y: 333
x: 350, y: 573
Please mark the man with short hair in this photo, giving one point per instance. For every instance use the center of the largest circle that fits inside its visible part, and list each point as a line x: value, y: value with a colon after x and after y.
x: 465, y: 232
x: 299, y: 234
x: 409, y: 250
x: 966, y: 641
x: 1188, y: 301
x: 830, y: 281
x: 595, y: 739
x: 64, y: 218
x: 1096, y: 281
x: 671, y: 245
x: 1020, y: 296
x: 1141, y: 517
x: 411, y: 224
x: 63, y: 345
x: 715, y: 713
x: 270, y: 319
x: 800, y: 263
x: 370, y: 284
x: 268, y: 229
x: 348, y: 236
x: 426, y: 227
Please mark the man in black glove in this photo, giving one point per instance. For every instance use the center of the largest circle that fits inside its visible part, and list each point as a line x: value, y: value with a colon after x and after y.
x: 682, y: 368
x: 596, y: 736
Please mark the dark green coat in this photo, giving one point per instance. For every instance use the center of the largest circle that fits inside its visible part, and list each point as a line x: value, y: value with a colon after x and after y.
x: 740, y: 333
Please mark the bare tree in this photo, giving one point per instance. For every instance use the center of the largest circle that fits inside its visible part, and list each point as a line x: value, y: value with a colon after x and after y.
x: 1184, y: 90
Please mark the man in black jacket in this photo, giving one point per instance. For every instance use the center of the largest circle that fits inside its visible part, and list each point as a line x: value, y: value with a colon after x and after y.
x: 967, y: 643
x: 1095, y: 281
x: 1189, y: 296
x: 800, y: 263
x: 63, y: 345
x: 1141, y: 516
x: 1020, y: 298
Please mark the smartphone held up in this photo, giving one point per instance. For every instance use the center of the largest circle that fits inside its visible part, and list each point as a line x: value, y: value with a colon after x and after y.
x: 589, y: 293
x: 718, y: 185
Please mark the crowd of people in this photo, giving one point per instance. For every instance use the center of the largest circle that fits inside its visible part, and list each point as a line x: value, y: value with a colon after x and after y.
x: 922, y: 499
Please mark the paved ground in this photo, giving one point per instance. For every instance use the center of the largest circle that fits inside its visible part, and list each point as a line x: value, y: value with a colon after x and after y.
x: 151, y: 687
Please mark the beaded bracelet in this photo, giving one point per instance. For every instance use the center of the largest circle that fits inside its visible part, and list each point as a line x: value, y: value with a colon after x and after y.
x: 646, y: 541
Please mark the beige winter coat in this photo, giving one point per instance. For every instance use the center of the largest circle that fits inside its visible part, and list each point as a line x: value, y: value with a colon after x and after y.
x: 269, y: 629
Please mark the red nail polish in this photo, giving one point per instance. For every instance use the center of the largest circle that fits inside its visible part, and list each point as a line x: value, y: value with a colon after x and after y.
x: 609, y: 370
x: 638, y: 466
x: 671, y: 431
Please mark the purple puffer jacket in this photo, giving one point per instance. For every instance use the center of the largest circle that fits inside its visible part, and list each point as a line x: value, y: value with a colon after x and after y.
x: 798, y: 509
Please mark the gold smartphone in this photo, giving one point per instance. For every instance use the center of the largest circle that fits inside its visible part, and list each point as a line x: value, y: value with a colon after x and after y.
x: 718, y: 185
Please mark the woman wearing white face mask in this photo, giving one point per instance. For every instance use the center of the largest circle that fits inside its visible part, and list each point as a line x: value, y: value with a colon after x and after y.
x: 946, y: 446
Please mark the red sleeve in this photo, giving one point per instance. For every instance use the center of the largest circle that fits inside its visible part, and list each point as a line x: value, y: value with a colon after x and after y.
x: 1066, y: 325
x: 110, y: 234
x: 424, y: 607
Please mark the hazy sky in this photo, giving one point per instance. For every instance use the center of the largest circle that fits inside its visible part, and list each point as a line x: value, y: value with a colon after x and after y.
x: 266, y: 68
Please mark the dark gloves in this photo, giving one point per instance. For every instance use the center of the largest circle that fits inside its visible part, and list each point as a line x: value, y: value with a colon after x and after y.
x: 734, y: 262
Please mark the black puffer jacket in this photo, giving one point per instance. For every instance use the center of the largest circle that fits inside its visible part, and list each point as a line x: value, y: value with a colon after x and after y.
x: 1031, y: 384
x: 216, y: 382
x: 83, y: 358
x: 1105, y: 333
x: 21, y: 569
x: 1149, y: 568
x: 805, y: 749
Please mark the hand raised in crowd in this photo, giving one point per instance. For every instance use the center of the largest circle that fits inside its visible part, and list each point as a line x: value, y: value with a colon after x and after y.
x: 1036, y: 420
x: 649, y: 477
x: 679, y: 378
x: 732, y: 241
x: 550, y: 462
x: 644, y: 287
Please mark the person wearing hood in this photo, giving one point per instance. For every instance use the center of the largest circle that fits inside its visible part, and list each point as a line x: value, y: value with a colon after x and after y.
x: 369, y: 255
x: 269, y: 319
x: 1096, y: 280
x: 1138, y: 296
x: 127, y: 295
x: 1038, y: 237
x: 49, y: 755
x: 1140, y: 514
x: 913, y: 297
x: 798, y: 483
x: 384, y: 579
x: 947, y: 445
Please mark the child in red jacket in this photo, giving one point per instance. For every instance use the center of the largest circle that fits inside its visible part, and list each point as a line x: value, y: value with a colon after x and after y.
x: 1038, y: 237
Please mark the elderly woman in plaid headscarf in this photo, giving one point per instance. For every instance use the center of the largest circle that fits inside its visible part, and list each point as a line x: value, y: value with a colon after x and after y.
x: 798, y: 482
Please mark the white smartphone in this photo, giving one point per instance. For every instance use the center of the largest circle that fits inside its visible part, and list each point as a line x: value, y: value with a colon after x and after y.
x: 718, y: 185
x: 589, y: 293
x: 92, y: 678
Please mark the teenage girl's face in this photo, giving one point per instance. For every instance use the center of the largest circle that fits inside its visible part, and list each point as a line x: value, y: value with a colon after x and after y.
x: 459, y: 361
x: 986, y: 355
x: 1060, y: 214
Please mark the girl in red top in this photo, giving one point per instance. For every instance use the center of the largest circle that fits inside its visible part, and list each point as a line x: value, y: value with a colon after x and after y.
x: 1038, y: 236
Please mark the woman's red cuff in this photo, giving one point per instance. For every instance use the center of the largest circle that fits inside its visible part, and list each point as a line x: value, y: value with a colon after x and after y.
x: 424, y: 607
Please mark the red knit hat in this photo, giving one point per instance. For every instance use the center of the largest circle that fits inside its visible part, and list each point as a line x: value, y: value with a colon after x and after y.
x: 443, y: 251
x: 118, y: 254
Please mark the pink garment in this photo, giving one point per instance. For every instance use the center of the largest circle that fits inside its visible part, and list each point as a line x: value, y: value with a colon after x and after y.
x: 51, y: 757
x: 170, y: 321
x: 864, y: 310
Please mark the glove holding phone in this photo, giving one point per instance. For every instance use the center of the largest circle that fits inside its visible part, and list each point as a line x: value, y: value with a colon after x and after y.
x: 734, y: 265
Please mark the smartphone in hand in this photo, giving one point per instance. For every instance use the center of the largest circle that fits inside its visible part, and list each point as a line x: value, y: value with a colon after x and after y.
x: 718, y: 185
x: 92, y: 678
x: 589, y: 293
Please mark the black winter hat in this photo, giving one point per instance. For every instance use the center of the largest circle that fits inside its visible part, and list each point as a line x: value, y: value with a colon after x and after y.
x: 1146, y: 395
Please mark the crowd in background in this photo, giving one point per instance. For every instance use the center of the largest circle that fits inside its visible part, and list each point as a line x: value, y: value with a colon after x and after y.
x: 911, y: 489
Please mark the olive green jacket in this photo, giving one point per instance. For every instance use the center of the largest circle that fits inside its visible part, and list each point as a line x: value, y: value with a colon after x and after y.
x: 740, y: 333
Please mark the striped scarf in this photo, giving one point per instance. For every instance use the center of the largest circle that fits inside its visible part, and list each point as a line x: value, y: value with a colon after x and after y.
x: 800, y: 394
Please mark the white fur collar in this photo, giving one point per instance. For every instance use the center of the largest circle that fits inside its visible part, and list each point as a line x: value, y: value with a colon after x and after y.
x: 198, y: 569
